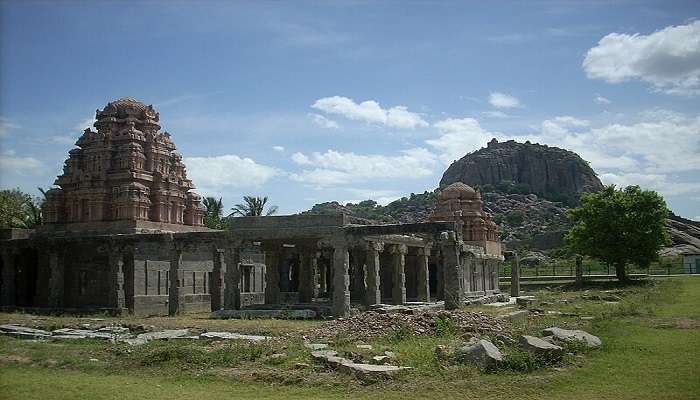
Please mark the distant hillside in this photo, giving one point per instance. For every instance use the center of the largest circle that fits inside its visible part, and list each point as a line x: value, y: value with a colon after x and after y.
x: 549, y: 172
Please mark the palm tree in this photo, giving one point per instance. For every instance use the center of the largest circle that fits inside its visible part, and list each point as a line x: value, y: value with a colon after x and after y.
x: 253, y: 207
x: 214, y: 209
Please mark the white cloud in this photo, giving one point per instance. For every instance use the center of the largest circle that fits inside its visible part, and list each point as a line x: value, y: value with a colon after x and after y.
x: 696, y: 218
x: 495, y: 114
x: 382, y: 197
x: 6, y: 126
x: 84, y: 124
x: 658, y: 182
x: 301, y: 159
x: 322, y: 121
x: 211, y: 174
x: 11, y: 163
x: 598, y: 99
x: 333, y: 167
x: 459, y: 137
x: 502, y: 100
x: 279, y: 149
x: 371, y: 112
x: 668, y: 59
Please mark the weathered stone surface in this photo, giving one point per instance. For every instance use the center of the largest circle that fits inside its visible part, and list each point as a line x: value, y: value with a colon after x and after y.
x: 518, y: 315
x: 84, y: 333
x: 539, y: 346
x: 233, y: 336
x: 23, y: 331
x: 167, y: 334
x: 364, y: 346
x: 565, y: 335
x: 483, y: 354
x: 526, y: 301
x: 360, y: 370
x: 316, y: 346
x: 379, y: 360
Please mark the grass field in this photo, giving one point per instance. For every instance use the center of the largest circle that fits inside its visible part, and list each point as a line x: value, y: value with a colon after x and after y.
x: 651, y: 350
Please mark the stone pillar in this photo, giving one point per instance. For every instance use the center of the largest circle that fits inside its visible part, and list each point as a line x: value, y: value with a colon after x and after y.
x: 372, y: 278
x: 398, y: 261
x: 174, y: 290
x: 217, y: 285
x: 322, y: 277
x: 357, y: 274
x: 232, y: 279
x: 56, y: 278
x: 272, y: 277
x: 116, y: 278
x: 515, y: 276
x: 423, y: 274
x: 314, y: 274
x: 306, y: 276
x: 8, y: 278
x: 451, y: 271
x: 579, y: 271
x: 341, y: 279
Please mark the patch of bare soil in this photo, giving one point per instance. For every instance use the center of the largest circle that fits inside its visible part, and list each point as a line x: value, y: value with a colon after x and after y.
x: 677, y: 323
x: 14, y: 358
x: 372, y: 324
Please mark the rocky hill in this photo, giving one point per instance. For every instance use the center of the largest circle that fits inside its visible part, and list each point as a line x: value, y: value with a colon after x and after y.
x: 549, y: 172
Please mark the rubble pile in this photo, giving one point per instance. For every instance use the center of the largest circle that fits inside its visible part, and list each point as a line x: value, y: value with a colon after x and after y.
x: 372, y: 324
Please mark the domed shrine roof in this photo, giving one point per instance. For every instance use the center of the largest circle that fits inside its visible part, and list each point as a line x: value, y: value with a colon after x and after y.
x: 459, y: 190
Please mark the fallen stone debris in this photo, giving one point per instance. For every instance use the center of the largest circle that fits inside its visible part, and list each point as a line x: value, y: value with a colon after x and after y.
x: 566, y: 335
x: 541, y: 347
x: 483, y: 353
x: 360, y: 370
x: 374, y: 324
x: 121, y: 334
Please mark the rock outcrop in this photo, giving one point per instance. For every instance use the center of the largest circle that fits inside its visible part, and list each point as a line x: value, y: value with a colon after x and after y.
x: 550, y: 172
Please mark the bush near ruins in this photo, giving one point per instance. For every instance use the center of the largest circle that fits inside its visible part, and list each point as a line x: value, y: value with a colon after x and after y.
x: 619, y: 226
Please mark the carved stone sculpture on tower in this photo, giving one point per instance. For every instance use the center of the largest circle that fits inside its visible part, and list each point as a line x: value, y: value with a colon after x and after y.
x: 127, y: 170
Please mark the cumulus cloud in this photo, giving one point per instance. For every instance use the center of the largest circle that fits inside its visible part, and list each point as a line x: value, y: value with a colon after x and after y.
x: 668, y: 59
x: 334, y: 167
x: 502, y: 100
x: 322, y: 121
x: 212, y: 174
x: 601, y: 100
x: 11, y: 163
x: 371, y: 112
x: 459, y: 137
x: 278, y: 149
x: 301, y: 159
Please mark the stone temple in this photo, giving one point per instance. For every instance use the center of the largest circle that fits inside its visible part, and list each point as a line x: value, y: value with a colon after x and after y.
x: 123, y: 233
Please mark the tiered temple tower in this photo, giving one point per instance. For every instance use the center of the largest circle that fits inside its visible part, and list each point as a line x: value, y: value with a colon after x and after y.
x: 462, y: 204
x: 126, y: 176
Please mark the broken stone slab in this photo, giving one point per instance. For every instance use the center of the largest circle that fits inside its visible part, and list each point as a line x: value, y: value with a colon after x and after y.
x: 134, y: 341
x: 364, y: 346
x: 117, y: 330
x: 315, y: 346
x: 249, y: 314
x: 360, y: 370
x: 323, y: 354
x: 23, y: 331
x: 483, y: 354
x: 233, y: 336
x: 567, y: 335
x: 538, y: 346
x: 163, y: 335
x: 83, y: 334
x: 380, y: 360
x: 518, y: 315
x: 526, y: 301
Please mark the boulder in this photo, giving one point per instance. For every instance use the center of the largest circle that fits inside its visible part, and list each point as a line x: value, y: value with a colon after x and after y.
x: 541, y: 347
x: 483, y: 354
x: 567, y: 335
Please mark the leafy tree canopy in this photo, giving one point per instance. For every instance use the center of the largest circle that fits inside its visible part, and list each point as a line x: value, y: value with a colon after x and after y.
x: 253, y: 207
x: 19, y: 209
x: 619, y: 226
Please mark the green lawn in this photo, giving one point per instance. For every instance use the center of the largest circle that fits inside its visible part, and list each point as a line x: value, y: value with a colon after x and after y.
x: 651, y: 351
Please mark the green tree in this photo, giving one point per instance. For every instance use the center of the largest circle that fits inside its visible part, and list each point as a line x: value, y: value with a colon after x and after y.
x: 19, y: 210
x: 253, y: 207
x: 619, y: 226
x: 213, y: 214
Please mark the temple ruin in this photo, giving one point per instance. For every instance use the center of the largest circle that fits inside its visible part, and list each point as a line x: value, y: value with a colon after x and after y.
x: 123, y: 233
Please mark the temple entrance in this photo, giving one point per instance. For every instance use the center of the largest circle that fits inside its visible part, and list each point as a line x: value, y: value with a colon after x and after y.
x: 128, y: 270
x: 27, y: 263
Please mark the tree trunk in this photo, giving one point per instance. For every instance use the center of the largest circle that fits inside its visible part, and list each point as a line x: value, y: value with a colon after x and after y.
x: 621, y: 273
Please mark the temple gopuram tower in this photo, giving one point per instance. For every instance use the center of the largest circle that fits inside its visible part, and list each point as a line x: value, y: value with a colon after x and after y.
x: 124, y: 178
x: 462, y: 204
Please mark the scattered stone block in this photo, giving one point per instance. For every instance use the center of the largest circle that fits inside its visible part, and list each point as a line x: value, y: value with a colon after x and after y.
x: 538, y: 346
x: 483, y: 354
x: 364, y: 346
x: 566, y: 335
x: 519, y: 315
x: 526, y: 301
x: 380, y: 360
x: 166, y: 334
x: 316, y: 346
x: 233, y: 336
x: 250, y: 314
x: 83, y: 333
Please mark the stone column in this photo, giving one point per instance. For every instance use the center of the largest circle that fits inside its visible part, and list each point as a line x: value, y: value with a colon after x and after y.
x: 579, y: 271
x: 314, y: 274
x: 8, y: 278
x: 174, y: 291
x: 322, y: 279
x: 515, y: 276
x: 232, y: 279
x: 341, y: 279
x: 56, y: 278
x: 372, y: 278
x: 217, y: 285
x: 306, y: 276
x: 272, y: 277
x: 398, y: 261
x: 116, y: 278
x: 451, y: 271
x: 423, y: 274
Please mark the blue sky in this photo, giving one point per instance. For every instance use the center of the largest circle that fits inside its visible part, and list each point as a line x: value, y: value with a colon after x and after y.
x: 316, y: 101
